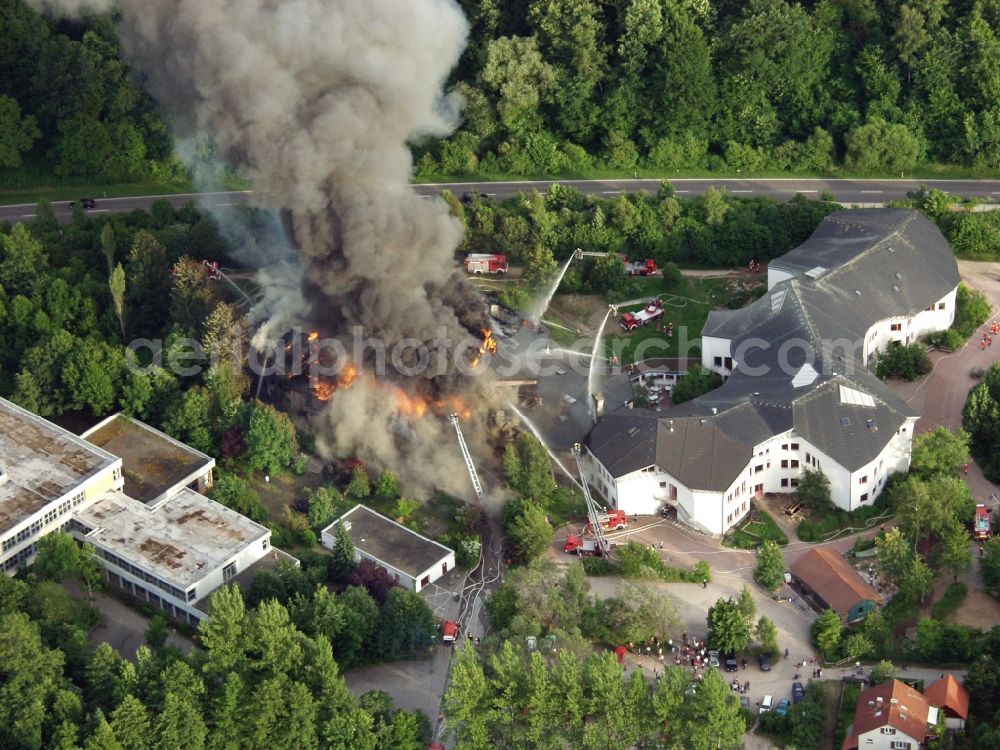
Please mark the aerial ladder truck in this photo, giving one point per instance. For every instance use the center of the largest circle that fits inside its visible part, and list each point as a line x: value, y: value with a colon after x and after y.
x: 576, y: 544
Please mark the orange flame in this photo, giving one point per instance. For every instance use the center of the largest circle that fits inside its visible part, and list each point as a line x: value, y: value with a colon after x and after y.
x: 410, y: 405
x: 489, y: 345
x: 313, y: 335
x: 324, y: 387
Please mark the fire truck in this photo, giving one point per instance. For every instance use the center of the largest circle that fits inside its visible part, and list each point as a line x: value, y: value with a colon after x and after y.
x: 981, y: 527
x: 652, y: 311
x: 577, y: 545
x: 646, y: 267
x: 449, y: 631
x: 610, y: 520
x: 485, y: 263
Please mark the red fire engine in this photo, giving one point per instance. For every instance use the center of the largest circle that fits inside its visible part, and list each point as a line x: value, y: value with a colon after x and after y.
x: 485, y: 263
x: 652, y: 311
x: 981, y: 527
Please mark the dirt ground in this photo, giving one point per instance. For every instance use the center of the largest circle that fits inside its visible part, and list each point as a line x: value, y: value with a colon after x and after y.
x: 977, y: 609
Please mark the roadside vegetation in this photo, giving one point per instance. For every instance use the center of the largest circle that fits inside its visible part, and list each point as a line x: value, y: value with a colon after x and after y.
x: 971, y: 311
x: 981, y: 418
x: 754, y: 530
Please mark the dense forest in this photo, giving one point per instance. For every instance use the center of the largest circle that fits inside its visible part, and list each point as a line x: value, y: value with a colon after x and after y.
x: 576, y: 86
x: 569, y: 85
x: 263, y: 676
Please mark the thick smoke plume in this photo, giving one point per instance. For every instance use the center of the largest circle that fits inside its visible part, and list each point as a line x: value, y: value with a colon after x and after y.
x: 314, y: 101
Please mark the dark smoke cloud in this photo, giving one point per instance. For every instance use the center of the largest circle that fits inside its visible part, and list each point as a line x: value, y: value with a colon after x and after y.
x: 314, y: 101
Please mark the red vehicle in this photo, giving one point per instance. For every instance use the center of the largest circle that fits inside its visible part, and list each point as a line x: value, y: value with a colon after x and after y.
x: 981, y: 526
x: 646, y: 267
x: 485, y: 263
x: 652, y: 311
x: 449, y: 631
x: 577, y: 545
x: 611, y: 520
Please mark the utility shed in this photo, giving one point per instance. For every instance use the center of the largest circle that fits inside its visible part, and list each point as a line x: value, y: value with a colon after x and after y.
x: 951, y: 696
x: 839, y: 586
x: 411, y: 558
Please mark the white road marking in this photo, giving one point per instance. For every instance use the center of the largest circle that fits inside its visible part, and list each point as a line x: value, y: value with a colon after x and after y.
x: 682, y: 191
x: 871, y: 191
x: 611, y: 192
x: 489, y: 194
x: 741, y: 191
x: 98, y: 210
x: 226, y: 204
x: 806, y: 191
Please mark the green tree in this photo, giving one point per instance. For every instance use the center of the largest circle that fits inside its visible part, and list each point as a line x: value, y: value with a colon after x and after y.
x: 117, y: 286
x: 131, y: 725
x: 884, y: 671
x: 697, y: 381
x: 359, y: 487
x: 766, y: 634
x: 103, y: 736
x: 515, y: 71
x: 712, y: 718
x: 857, y: 646
x: 814, y: 490
x: 956, y: 551
x: 270, y: 438
x: 406, y: 624
x: 104, y: 678
x: 941, y: 451
x: 879, y: 146
x: 387, y: 485
x: 323, y: 507
x: 22, y: 262
x: 769, y: 571
x: 893, y: 554
x: 989, y: 564
x: 608, y: 274
x: 528, y: 469
x: 343, y: 554
x: 728, y: 629
x: 237, y: 492
x: 918, y: 581
x: 17, y: 133
x: 528, y: 530
x: 826, y: 630
x: 58, y: 557
x: 224, y: 633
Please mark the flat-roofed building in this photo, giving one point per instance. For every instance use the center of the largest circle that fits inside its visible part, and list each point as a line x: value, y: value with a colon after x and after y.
x: 154, y: 464
x: 133, y: 494
x: 47, y: 472
x: 411, y: 558
x: 175, y: 553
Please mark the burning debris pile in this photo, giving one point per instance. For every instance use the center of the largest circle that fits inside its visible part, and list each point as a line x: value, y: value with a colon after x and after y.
x: 314, y: 102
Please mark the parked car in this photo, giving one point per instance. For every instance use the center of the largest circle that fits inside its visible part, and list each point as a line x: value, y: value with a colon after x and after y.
x: 798, y: 693
x: 730, y: 662
x: 765, y: 663
x: 767, y: 704
x: 713, y: 658
x: 783, y: 705
x: 85, y: 202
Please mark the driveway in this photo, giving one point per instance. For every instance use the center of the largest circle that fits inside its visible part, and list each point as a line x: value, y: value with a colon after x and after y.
x: 940, y: 396
x: 123, y: 627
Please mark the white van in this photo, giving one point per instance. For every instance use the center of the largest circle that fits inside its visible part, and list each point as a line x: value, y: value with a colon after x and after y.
x: 766, y: 704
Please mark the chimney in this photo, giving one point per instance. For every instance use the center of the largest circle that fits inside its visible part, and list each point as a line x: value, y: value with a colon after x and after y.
x: 598, y: 404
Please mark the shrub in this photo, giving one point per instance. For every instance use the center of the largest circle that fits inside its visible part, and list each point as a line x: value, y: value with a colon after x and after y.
x: 904, y: 361
x: 599, y: 566
x: 638, y: 561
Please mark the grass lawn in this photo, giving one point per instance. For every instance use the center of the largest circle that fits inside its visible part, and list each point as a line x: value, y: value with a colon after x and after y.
x: 949, y: 602
x: 828, y: 523
x: 848, y: 703
x: 282, y: 491
x: 750, y: 534
x: 686, y: 305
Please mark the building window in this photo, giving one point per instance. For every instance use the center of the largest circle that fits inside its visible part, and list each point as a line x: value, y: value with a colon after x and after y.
x: 896, y: 327
x: 794, y: 463
x: 784, y: 482
x: 900, y: 745
x: 864, y: 497
x: 758, y: 468
x: 940, y: 305
x: 266, y: 543
x: 888, y: 730
x: 192, y: 594
x: 784, y: 446
x: 863, y: 480
x: 784, y: 463
x: 717, y: 361
x: 229, y: 571
x: 793, y: 482
x: 808, y: 459
x: 795, y: 446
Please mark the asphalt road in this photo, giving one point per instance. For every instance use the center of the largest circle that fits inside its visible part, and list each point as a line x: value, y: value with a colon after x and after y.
x: 844, y: 191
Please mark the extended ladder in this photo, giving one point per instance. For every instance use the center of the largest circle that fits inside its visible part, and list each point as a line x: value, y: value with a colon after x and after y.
x: 467, y: 456
x: 592, y: 515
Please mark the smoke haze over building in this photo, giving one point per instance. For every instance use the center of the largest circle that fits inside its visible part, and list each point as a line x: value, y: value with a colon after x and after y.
x: 314, y: 102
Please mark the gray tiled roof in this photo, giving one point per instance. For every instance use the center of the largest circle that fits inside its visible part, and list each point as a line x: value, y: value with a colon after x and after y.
x: 774, y: 337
